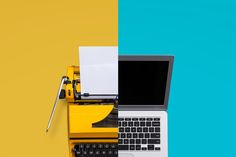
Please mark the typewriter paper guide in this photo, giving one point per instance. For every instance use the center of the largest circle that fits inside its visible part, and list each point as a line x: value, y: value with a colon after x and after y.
x: 99, y: 71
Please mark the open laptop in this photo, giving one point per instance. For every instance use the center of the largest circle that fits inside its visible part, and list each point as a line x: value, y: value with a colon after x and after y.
x: 144, y: 84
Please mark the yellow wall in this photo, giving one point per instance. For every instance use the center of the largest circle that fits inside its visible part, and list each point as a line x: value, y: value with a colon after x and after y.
x: 38, y: 40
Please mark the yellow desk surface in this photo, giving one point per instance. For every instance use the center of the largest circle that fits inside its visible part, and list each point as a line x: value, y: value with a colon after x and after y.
x: 39, y: 39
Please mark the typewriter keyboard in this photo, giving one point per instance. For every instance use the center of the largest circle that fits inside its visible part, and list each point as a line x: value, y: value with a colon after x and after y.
x: 96, y: 150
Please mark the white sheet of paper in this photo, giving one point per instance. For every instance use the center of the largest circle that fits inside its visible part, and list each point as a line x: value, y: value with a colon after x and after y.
x: 99, y: 70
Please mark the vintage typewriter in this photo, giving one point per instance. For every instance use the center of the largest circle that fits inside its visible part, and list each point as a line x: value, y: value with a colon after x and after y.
x: 92, y: 123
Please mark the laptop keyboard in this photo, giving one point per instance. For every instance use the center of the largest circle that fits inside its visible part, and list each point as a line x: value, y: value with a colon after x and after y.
x: 139, y: 134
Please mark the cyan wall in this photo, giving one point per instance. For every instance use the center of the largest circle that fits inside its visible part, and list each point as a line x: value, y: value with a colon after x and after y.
x: 201, y: 34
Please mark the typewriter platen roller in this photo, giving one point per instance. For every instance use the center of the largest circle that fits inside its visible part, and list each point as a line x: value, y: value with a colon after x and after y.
x: 92, y: 123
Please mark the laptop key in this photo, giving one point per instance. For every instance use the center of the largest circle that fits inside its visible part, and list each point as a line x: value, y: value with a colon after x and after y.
x: 144, y: 148
x: 139, y: 129
x: 127, y: 129
x: 150, y: 147
x: 126, y: 141
x: 128, y: 119
x: 134, y: 119
x: 122, y: 135
x: 138, y: 141
x: 136, y: 123
x: 155, y: 135
x: 121, y: 129
x: 157, y: 129
x: 142, y: 119
x: 157, y: 148
x: 142, y: 123
x: 123, y: 147
x: 129, y: 135
x: 133, y: 129
x: 145, y: 129
x: 155, y: 123
x: 131, y: 141
x: 138, y: 147
x: 124, y: 123
x: 149, y: 119
x: 147, y: 135
x: 151, y: 129
x: 130, y: 123
x: 132, y: 147
x: 148, y: 124
x: 153, y: 141
x: 140, y: 135
x: 144, y: 141
x: 156, y: 119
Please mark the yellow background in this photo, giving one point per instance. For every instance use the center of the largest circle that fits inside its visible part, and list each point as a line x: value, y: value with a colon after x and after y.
x: 38, y: 40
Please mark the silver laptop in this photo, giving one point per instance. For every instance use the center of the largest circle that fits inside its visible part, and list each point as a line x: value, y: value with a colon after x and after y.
x: 144, y: 84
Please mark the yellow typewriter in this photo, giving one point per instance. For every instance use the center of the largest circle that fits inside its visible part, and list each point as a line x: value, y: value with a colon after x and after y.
x: 92, y: 123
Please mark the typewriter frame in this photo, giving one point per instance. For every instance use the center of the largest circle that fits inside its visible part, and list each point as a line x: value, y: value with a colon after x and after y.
x: 77, y: 108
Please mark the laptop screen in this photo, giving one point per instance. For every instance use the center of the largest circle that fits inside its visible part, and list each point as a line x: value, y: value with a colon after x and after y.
x: 142, y: 82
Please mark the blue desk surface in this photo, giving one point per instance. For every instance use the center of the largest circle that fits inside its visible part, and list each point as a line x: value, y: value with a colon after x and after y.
x: 201, y: 34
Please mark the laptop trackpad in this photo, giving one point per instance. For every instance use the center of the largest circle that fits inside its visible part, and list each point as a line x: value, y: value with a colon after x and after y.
x: 125, y: 155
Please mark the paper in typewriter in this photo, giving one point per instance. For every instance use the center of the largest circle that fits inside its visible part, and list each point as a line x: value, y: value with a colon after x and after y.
x: 99, y: 71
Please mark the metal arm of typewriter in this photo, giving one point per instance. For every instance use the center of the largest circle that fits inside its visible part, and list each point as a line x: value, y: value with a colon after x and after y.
x: 64, y: 80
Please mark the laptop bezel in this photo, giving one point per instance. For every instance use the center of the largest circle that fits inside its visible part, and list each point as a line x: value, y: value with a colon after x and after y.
x: 167, y: 92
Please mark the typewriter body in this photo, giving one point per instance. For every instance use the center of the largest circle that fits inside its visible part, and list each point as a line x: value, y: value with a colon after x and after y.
x: 92, y: 123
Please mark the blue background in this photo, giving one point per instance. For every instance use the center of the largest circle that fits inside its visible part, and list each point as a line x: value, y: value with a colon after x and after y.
x: 201, y: 35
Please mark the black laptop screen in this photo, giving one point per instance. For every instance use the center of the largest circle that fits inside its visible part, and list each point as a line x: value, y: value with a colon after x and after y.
x: 142, y: 82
